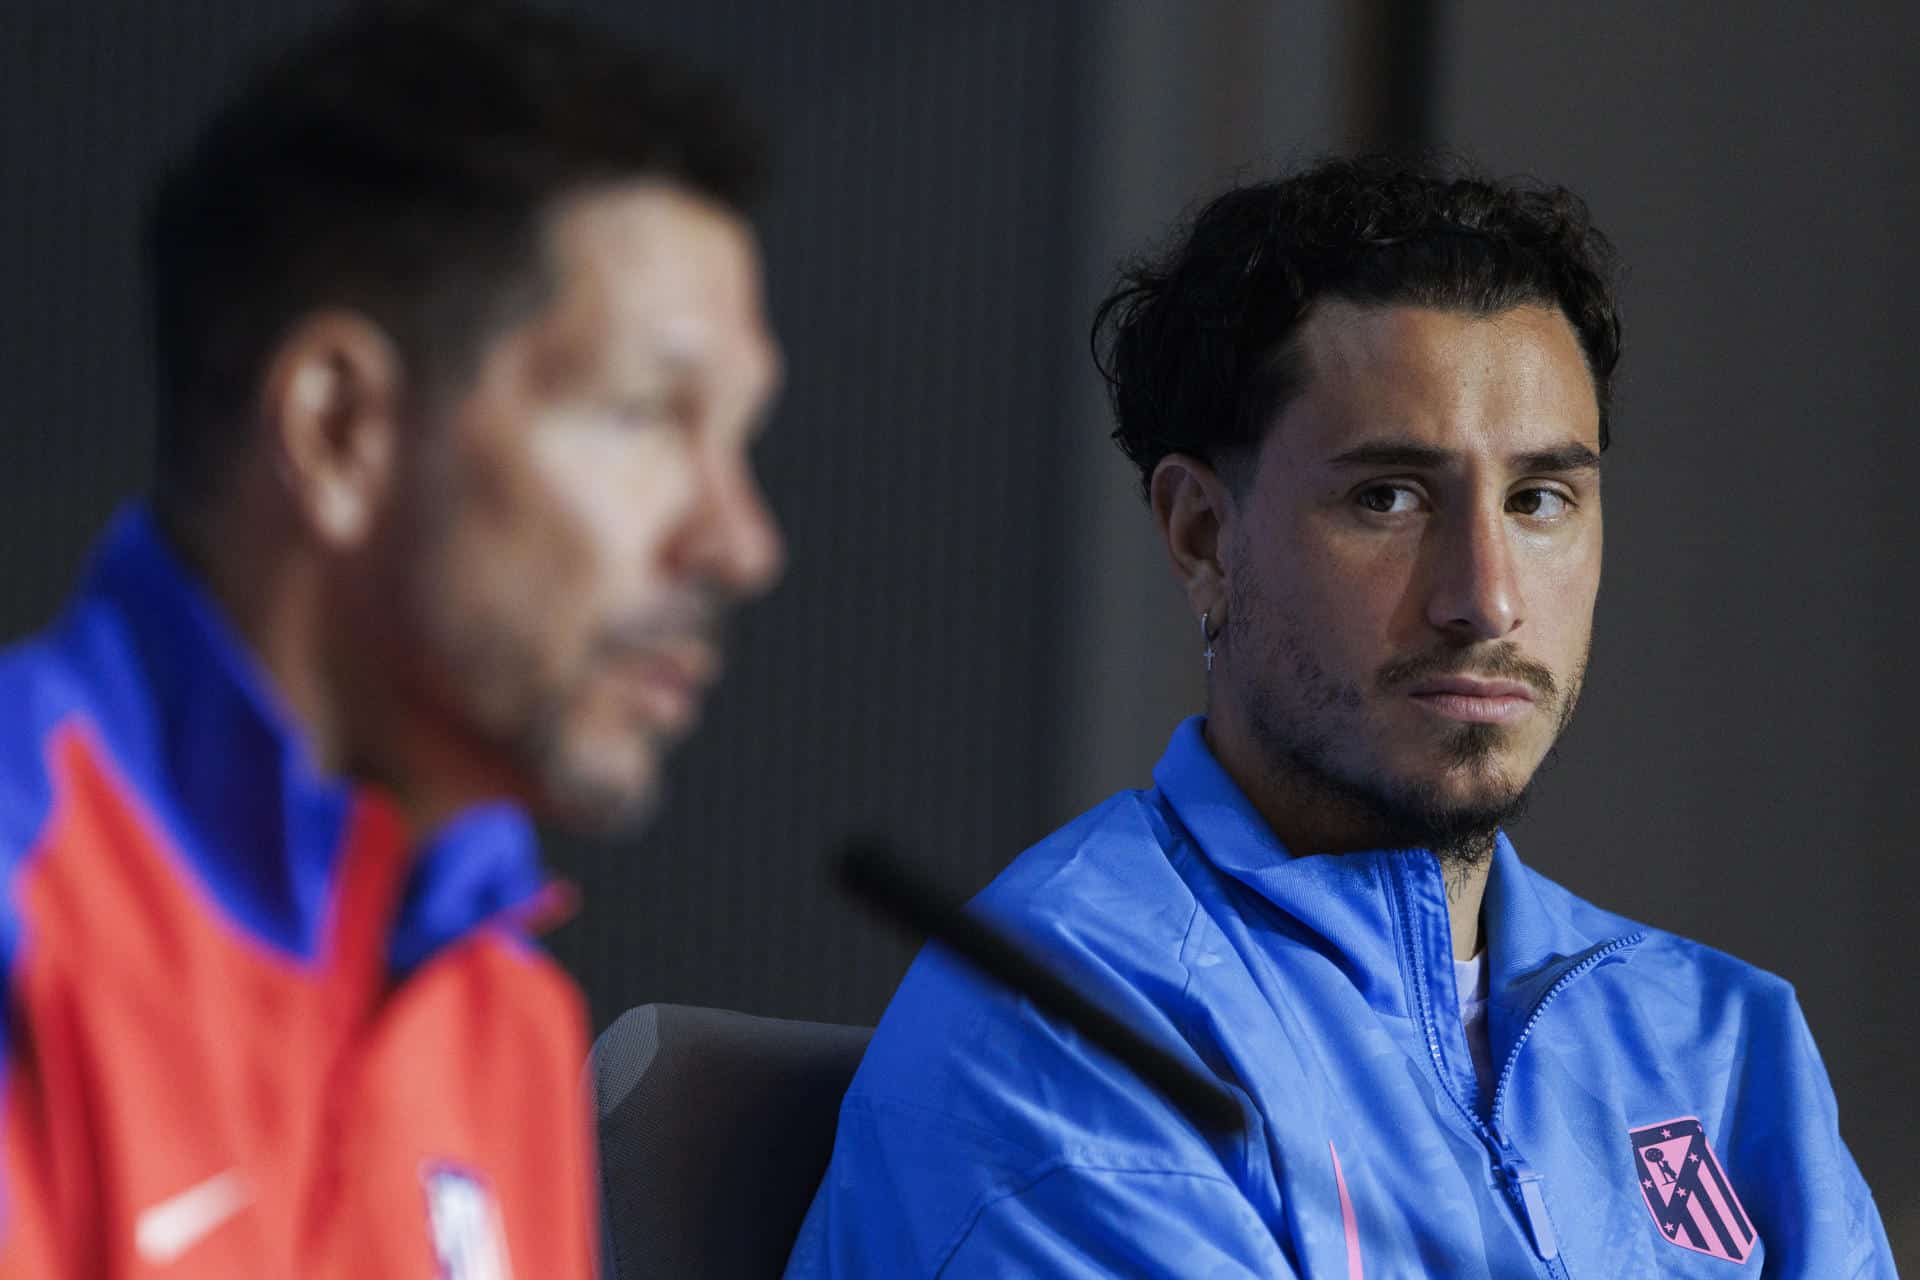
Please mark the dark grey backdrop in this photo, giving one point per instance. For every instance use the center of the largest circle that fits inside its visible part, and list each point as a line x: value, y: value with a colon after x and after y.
x: 978, y: 637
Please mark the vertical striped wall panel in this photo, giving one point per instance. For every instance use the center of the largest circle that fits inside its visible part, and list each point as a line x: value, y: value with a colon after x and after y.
x: 897, y: 681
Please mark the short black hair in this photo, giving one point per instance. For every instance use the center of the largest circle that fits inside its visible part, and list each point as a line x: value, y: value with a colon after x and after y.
x: 1197, y: 344
x: 401, y: 163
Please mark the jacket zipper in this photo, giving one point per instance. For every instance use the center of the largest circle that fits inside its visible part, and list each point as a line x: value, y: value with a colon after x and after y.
x: 1559, y: 984
x: 1523, y: 1183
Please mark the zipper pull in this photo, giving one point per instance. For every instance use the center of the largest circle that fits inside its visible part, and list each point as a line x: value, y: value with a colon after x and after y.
x: 1527, y: 1182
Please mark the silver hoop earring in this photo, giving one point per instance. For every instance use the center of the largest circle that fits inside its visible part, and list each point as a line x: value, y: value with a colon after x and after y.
x: 1206, y: 637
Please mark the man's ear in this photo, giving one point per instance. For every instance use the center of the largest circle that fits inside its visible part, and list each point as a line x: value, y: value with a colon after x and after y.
x: 332, y: 400
x: 1191, y: 505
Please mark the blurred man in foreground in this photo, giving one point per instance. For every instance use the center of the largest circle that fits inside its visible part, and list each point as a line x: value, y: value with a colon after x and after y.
x: 462, y: 349
x: 1368, y: 405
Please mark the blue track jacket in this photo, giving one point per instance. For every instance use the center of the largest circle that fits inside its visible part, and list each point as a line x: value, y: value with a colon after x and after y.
x: 1660, y: 1108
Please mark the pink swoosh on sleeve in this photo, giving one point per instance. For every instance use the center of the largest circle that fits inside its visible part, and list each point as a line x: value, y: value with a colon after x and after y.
x: 1354, y: 1270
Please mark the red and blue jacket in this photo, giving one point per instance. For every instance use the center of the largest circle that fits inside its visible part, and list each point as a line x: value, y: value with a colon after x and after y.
x: 252, y: 1029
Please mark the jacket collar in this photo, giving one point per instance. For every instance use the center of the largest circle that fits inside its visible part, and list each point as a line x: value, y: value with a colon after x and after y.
x: 1361, y: 903
x: 190, y: 715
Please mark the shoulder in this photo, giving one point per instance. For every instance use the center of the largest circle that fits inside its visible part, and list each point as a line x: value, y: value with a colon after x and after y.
x: 1697, y: 987
x: 968, y: 1101
x: 1109, y: 899
x: 42, y: 697
x: 1726, y: 1008
x: 73, y: 705
x: 1102, y: 901
x: 1115, y: 877
x: 514, y: 1011
x: 40, y: 692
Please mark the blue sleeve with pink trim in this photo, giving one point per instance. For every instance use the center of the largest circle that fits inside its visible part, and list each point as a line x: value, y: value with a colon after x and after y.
x: 1655, y: 1108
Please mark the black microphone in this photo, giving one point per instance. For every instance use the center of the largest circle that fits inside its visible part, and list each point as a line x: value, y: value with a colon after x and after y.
x: 866, y: 870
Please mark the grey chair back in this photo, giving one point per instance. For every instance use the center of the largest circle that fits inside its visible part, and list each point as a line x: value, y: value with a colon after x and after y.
x: 715, y: 1128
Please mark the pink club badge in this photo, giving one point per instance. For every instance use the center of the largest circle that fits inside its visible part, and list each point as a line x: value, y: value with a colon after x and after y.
x: 1687, y: 1191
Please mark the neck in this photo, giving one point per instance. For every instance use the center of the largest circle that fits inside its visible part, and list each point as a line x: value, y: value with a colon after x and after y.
x: 432, y: 772
x: 1466, y: 891
x: 1308, y: 817
x: 270, y: 593
x: 274, y: 589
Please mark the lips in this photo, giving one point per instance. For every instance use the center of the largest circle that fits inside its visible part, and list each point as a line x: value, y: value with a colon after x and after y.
x: 670, y: 679
x: 692, y: 663
x: 1473, y: 700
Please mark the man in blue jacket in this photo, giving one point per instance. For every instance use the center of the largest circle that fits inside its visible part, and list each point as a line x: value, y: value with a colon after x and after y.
x: 1368, y: 404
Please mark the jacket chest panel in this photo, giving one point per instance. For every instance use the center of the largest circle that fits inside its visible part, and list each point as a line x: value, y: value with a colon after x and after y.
x: 280, y: 1122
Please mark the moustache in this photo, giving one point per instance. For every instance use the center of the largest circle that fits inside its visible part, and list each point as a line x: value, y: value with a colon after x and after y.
x: 1503, y: 662
x: 692, y: 619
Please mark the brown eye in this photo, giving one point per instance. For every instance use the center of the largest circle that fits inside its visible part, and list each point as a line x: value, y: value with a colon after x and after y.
x: 1546, y: 504
x: 1387, y: 499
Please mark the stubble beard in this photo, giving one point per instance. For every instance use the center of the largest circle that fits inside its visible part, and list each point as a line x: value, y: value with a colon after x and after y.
x: 1299, y: 737
x: 574, y: 794
x: 488, y: 679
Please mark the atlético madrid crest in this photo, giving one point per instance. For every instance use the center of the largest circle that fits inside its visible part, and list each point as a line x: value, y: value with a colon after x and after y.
x: 1689, y: 1194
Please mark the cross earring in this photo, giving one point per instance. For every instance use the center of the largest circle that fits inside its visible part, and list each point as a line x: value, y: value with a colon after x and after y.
x: 1206, y: 636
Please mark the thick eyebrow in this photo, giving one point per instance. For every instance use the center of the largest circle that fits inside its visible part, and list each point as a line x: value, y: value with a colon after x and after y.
x: 1568, y: 457
x: 1420, y: 457
x: 1412, y: 456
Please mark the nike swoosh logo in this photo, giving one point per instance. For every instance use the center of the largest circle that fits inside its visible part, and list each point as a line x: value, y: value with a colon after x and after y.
x: 168, y: 1229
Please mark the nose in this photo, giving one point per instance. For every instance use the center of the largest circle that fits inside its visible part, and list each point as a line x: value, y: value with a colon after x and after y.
x: 732, y: 538
x: 1475, y: 592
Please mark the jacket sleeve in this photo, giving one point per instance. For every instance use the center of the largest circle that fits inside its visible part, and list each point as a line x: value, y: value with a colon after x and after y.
x: 982, y: 1138
x: 914, y: 1194
x: 1087, y: 1222
x: 1818, y: 1216
x: 1870, y: 1250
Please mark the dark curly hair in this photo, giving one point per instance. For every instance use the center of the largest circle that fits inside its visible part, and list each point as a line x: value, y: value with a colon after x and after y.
x: 400, y: 163
x: 1197, y: 345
